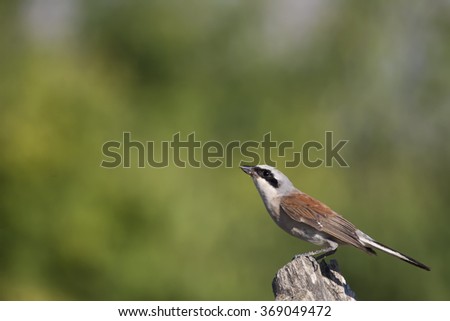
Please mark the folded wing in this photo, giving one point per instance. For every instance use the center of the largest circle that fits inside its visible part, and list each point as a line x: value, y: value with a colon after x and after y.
x: 305, y: 209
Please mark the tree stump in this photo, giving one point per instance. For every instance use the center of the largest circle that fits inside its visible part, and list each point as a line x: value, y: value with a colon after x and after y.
x: 303, y: 279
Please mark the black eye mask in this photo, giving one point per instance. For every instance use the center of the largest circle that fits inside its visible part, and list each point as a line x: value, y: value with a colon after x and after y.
x: 267, y: 175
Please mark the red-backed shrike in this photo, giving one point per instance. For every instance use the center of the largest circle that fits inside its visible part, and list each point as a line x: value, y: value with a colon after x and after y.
x: 310, y: 220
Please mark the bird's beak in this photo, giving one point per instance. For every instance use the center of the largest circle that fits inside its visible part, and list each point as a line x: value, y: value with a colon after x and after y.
x: 247, y: 170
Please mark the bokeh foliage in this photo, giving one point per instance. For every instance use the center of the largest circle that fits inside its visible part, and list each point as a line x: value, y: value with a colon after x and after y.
x: 373, y: 73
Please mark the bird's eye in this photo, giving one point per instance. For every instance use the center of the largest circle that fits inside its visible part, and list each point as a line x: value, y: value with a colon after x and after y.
x: 266, y: 173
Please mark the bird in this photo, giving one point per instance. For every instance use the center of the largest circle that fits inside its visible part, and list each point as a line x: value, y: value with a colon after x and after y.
x: 310, y: 220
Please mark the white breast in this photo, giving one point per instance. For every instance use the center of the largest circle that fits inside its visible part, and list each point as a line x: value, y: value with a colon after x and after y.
x: 270, y: 196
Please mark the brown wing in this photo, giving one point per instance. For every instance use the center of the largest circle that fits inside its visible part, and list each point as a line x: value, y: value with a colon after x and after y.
x: 303, y: 208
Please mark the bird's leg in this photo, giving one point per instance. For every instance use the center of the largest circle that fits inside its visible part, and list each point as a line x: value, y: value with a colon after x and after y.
x: 331, y: 249
x: 324, y: 255
x: 326, y: 251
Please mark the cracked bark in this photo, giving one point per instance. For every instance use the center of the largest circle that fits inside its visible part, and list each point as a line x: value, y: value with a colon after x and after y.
x: 304, y: 279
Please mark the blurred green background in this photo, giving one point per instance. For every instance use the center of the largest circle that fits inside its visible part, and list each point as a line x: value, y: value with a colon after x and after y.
x: 75, y: 74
